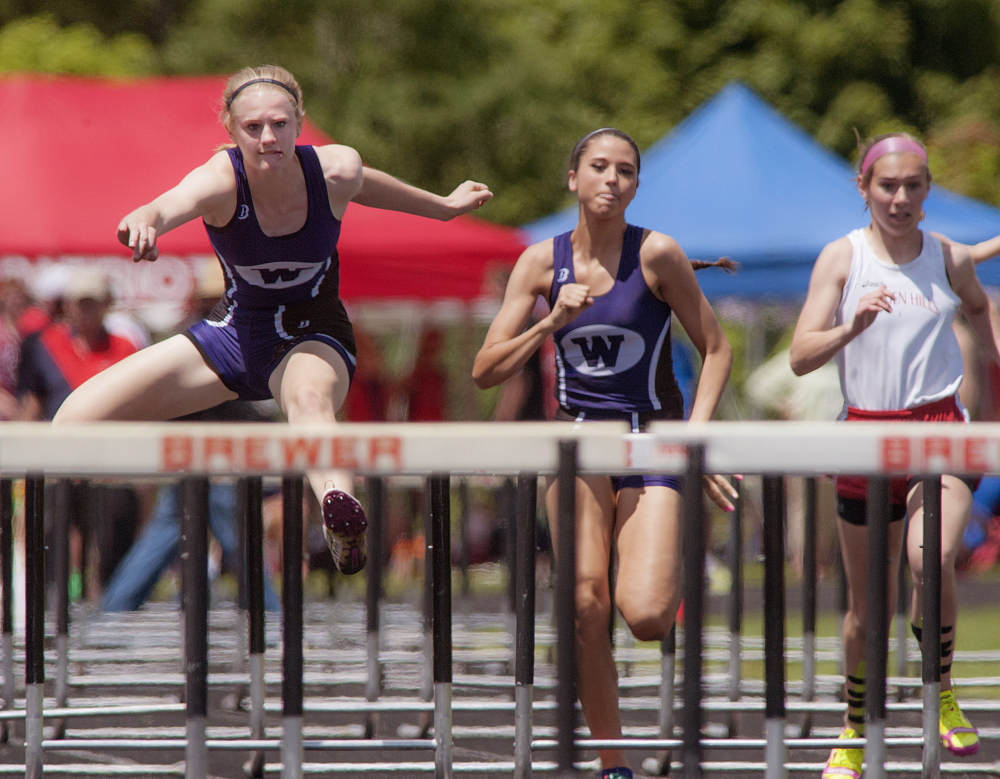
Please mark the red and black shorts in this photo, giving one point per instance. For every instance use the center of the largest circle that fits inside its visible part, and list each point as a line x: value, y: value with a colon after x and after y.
x: 852, y: 491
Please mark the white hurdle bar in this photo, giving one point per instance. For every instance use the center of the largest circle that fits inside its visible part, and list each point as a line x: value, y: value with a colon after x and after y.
x: 177, y: 449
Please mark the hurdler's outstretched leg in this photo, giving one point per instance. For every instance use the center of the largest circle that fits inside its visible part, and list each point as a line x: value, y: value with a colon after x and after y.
x: 310, y: 384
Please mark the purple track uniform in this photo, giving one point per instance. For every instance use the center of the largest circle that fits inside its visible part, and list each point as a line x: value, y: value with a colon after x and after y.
x: 279, y: 291
x: 613, y: 361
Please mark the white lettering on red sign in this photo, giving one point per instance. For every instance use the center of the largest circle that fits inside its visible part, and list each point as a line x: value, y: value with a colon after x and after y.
x: 940, y: 454
x: 238, y: 454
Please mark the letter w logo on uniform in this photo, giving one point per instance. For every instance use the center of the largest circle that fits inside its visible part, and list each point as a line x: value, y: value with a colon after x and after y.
x: 272, y: 275
x: 599, y: 350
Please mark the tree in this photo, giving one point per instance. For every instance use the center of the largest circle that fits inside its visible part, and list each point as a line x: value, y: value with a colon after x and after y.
x: 441, y: 90
x: 38, y: 43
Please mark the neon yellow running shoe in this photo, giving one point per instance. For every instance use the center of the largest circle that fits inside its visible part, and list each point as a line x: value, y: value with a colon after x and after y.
x: 845, y: 763
x: 958, y: 735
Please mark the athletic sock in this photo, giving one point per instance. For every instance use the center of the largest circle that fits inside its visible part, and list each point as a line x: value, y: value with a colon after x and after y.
x: 946, y: 646
x: 855, y: 691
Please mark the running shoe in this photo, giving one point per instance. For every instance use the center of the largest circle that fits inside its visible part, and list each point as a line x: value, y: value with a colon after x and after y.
x: 958, y: 735
x: 617, y: 773
x: 845, y: 763
x: 344, y: 525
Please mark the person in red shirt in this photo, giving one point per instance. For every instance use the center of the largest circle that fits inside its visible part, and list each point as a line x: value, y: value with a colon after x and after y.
x: 60, y: 357
x: 55, y: 361
x: 425, y: 389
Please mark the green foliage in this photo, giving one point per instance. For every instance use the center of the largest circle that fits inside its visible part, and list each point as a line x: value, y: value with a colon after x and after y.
x: 37, y: 43
x: 438, y: 91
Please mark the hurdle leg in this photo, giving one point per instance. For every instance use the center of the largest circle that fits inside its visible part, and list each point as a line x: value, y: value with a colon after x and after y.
x: 239, y: 665
x: 373, y: 597
x: 932, y: 627
x: 463, y: 543
x: 902, y: 625
x: 195, y: 597
x: 694, y: 600
x: 441, y: 534
x: 660, y: 765
x: 809, y: 592
x: 254, y: 577
x: 34, y: 633
x: 735, y: 604
x: 291, y: 595
x: 61, y: 510
x: 774, y: 625
x: 565, y: 608
x: 524, y: 638
x: 426, y: 720
x: 7, y: 598
x: 876, y: 649
x: 507, y: 511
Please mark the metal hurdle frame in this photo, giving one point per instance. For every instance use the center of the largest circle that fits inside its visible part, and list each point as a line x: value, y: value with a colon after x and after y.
x: 200, y: 451
x: 598, y: 448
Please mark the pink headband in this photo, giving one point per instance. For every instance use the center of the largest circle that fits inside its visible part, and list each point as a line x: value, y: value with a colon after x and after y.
x: 891, y: 145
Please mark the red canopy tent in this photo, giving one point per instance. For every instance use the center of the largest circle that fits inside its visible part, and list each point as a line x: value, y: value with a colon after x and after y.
x: 83, y: 152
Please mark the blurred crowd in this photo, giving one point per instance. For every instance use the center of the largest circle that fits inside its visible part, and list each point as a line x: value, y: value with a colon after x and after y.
x: 65, y: 327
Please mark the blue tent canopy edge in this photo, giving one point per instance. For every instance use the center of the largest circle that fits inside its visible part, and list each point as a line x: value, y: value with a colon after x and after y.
x: 735, y: 178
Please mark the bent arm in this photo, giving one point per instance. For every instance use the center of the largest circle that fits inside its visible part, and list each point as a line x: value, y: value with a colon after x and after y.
x: 678, y: 287
x: 816, y: 339
x: 980, y: 313
x: 673, y: 278
x: 508, y: 345
x: 380, y: 190
x: 201, y: 193
x: 979, y: 252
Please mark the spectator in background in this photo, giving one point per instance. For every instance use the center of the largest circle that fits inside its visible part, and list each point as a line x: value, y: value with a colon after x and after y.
x: 13, y: 298
x: 45, y: 305
x: 425, y: 390
x: 56, y: 360
x: 64, y: 354
x: 368, y: 400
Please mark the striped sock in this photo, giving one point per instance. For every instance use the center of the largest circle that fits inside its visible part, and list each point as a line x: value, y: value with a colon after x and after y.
x: 855, y: 692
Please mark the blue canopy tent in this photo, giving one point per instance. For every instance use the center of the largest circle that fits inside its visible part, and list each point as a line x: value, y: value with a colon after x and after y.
x: 736, y: 178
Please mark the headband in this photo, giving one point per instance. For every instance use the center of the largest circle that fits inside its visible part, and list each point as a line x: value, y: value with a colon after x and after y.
x: 591, y: 134
x: 245, y: 84
x: 610, y: 130
x: 891, y: 145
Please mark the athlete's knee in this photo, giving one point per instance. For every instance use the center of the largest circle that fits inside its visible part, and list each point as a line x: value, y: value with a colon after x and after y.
x: 593, y: 608
x: 650, y: 620
x: 308, y: 399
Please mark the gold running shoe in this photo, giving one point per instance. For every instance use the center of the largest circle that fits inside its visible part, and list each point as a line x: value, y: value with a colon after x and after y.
x: 958, y: 735
x: 845, y: 763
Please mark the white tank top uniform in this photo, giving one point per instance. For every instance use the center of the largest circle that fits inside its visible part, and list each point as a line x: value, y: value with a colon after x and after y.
x: 907, y: 357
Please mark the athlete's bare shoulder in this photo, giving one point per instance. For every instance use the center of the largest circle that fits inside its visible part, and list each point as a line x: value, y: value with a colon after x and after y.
x: 218, y: 170
x: 834, y: 260
x: 341, y: 164
x: 208, y: 191
x: 533, y: 271
x: 539, y: 255
x: 661, y: 254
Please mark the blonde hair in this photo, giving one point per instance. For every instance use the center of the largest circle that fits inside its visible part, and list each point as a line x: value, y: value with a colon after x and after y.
x: 264, y: 77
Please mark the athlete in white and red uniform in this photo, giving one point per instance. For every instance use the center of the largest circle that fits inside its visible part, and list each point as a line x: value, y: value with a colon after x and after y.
x: 273, y: 212
x: 881, y: 302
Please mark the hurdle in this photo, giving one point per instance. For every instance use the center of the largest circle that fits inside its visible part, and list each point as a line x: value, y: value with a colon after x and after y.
x: 200, y: 452
x: 381, y: 450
